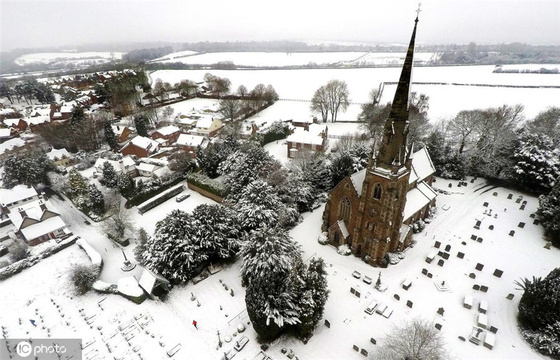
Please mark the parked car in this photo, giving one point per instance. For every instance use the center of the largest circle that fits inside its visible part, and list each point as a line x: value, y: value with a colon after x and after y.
x: 182, y: 197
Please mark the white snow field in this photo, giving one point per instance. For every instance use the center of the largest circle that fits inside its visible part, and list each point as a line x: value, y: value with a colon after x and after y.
x: 110, y: 325
x: 67, y: 57
x: 280, y: 59
x: 445, y: 100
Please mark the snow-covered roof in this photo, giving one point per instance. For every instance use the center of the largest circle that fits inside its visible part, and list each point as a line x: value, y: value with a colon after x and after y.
x: 144, y: 143
x: 168, y: 130
x: 56, y: 154
x: 4, y: 132
x: 205, y: 122
x: 313, y: 136
x: 422, y: 165
x: 118, y: 129
x: 38, y: 120
x: 11, y: 122
x: 190, y: 140
x: 417, y: 198
x: 146, y: 167
x: 129, y: 286
x: 343, y: 228
x: 149, y: 279
x: 44, y: 227
x: 99, y: 164
x: 358, y: 180
x: 127, y: 161
x: 17, y: 193
x: 405, y: 229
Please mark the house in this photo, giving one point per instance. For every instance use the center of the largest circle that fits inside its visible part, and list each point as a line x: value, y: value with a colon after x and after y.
x: 18, y: 123
x: 9, y: 146
x: 126, y: 164
x: 60, y: 157
x: 168, y: 135
x: 141, y: 147
x: 5, y: 134
x: 207, y: 126
x: 60, y: 112
x: 121, y: 133
x: 153, y: 283
x: 35, y: 223
x: 313, y: 139
x: 147, y: 170
x: 17, y: 196
x: 189, y: 143
x: 373, y: 210
x: 304, y: 123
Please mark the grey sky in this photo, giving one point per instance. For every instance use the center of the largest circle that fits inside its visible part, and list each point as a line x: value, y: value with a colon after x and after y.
x: 56, y: 23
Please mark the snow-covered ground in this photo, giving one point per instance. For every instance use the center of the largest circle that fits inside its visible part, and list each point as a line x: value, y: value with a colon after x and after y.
x: 67, y: 57
x: 43, y: 293
x: 445, y: 100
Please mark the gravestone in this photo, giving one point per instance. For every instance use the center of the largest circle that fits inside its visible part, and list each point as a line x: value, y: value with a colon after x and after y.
x: 547, y: 245
x: 485, y: 204
x: 409, y: 303
x: 373, y: 341
x: 536, y: 222
x: 522, y: 207
x: 495, y: 193
x: 483, y: 288
x: 327, y: 323
x: 510, y: 196
x: 450, y: 185
x: 473, y: 237
x: 353, y: 291
x: 524, y: 202
x: 472, y: 181
x: 491, y: 227
x: 364, y: 352
x: 498, y: 273
x: 441, y: 311
x: 510, y: 296
x: 447, y: 247
x: 445, y: 256
x: 358, y: 294
x: 430, y: 275
x: 438, y: 326
x: 437, y: 244
x: 355, y: 348
x: 462, y: 338
x: 441, y: 262
x: 477, y: 225
x: 518, y: 200
x: 532, y: 216
x: 396, y: 296
x: 440, y: 253
x: 476, y: 287
x: 512, y: 232
x: 479, y: 267
x: 463, y: 243
x: 424, y: 271
x: 521, y: 225
x: 460, y: 255
x: 479, y: 239
x: 472, y: 275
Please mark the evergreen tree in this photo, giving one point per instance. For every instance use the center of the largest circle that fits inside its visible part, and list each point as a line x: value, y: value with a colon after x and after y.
x: 268, y: 258
x: 142, y: 238
x: 549, y: 213
x: 141, y: 124
x: 314, y: 297
x: 25, y: 167
x: 341, y: 166
x: 110, y: 136
x: 78, y: 185
x: 109, y: 175
x: 218, y: 231
x: 125, y: 184
x: 96, y: 200
x: 172, y: 251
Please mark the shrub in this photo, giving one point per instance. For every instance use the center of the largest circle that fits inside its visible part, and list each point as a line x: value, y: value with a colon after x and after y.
x: 83, y: 277
x: 19, y: 252
x: 204, y: 182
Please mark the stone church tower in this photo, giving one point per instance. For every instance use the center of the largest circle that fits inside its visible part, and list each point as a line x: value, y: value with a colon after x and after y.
x: 367, y: 210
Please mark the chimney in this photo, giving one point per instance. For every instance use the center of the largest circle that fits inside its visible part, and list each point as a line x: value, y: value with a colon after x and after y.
x: 22, y: 213
x: 42, y: 206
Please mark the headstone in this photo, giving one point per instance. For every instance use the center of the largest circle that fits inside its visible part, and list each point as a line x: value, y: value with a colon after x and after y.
x: 462, y: 338
x: 484, y: 288
x: 373, y: 341
x: 424, y: 271
x: 472, y: 275
x: 473, y: 237
x: 485, y: 204
x: 409, y: 303
x: 521, y: 225
x: 463, y: 243
x: 547, y: 245
x: 479, y: 266
x: 512, y: 232
x: 437, y: 244
x: 472, y: 181
x: 441, y: 262
x: 461, y: 255
x: 498, y: 273
x: 518, y: 200
x: 477, y: 225
x: 536, y: 222
x: 440, y: 311
x: 358, y: 294
x: 327, y: 323
x: 532, y: 216
x: 353, y: 291
x: 491, y: 227
x: 364, y: 352
x: 445, y: 256
x: 522, y: 207
x: 450, y: 185
x: 430, y: 275
x: 524, y: 202
x: 447, y: 247
x: 396, y: 296
x: 495, y: 193
x: 510, y: 296
x: 355, y: 348
x: 479, y: 239
x: 493, y: 329
x: 476, y: 287
x: 440, y: 253
x: 510, y: 196
x: 438, y: 326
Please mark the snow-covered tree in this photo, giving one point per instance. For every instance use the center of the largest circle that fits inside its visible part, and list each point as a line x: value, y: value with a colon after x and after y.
x: 218, y: 232
x: 341, y: 166
x: 210, y: 158
x: 26, y: 167
x: 537, y: 162
x: 78, y: 185
x: 268, y: 258
x: 125, y: 184
x: 57, y: 182
x: 549, y: 212
x: 142, y: 239
x: 413, y: 339
x: 171, y: 251
x: 248, y: 163
x: 313, y: 297
x: 108, y: 175
x: 110, y: 136
x: 96, y: 200
x: 141, y: 124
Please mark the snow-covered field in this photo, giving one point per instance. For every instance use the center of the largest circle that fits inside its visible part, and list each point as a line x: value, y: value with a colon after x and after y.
x: 445, y: 100
x: 274, y: 59
x: 43, y: 293
x: 67, y: 58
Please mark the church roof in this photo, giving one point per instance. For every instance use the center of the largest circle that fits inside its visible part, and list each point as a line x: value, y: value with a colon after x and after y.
x: 358, y: 180
x: 417, y: 198
x: 422, y: 166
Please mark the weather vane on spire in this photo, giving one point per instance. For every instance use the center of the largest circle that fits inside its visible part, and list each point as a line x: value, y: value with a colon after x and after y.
x: 418, y: 11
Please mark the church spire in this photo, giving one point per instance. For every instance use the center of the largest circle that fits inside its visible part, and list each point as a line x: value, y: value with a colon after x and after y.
x: 393, y: 150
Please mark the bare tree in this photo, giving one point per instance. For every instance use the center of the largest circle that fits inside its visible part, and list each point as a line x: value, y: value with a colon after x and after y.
x: 242, y: 91
x: 416, y: 339
x: 464, y: 126
x: 229, y: 108
x: 331, y: 98
x: 374, y: 115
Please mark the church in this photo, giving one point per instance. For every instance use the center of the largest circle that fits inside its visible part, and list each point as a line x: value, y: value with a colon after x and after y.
x: 373, y: 210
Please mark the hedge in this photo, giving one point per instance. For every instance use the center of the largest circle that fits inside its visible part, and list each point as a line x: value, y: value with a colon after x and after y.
x: 204, y: 182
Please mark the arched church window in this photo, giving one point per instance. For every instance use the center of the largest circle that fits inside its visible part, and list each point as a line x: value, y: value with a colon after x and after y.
x: 344, y: 209
x: 377, y: 191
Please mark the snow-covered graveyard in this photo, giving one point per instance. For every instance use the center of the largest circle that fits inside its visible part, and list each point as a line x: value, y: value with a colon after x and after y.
x: 482, y: 239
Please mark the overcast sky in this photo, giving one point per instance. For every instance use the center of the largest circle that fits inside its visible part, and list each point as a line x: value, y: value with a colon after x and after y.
x: 68, y: 23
